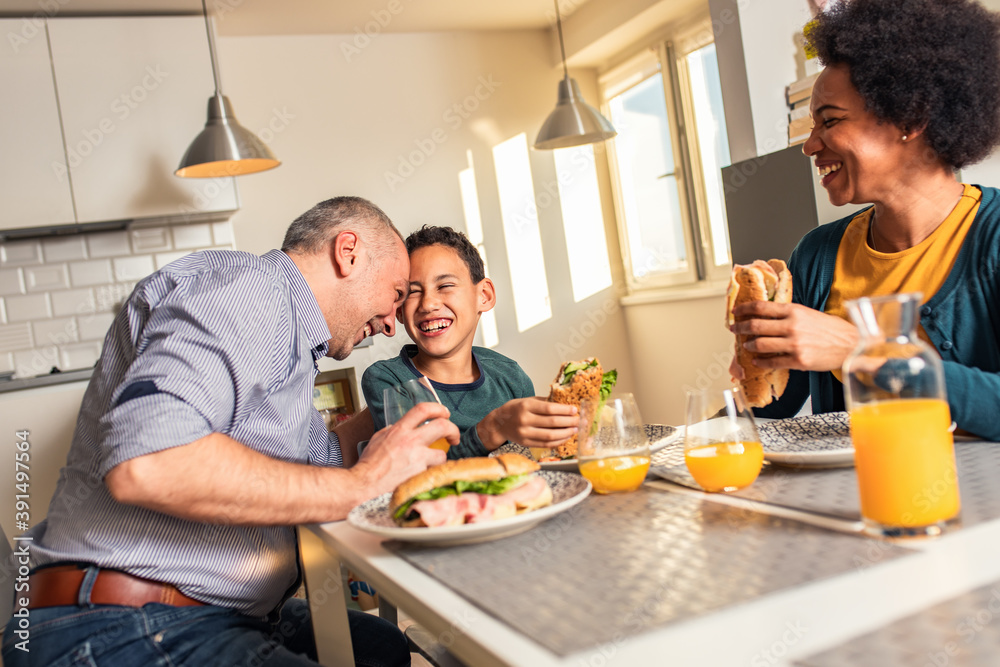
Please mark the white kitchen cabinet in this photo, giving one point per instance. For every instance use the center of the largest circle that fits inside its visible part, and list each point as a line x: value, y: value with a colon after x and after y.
x: 32, y: 191
x: 133, y: 93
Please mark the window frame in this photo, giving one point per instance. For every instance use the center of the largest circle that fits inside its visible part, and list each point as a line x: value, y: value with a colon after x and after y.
x: 665, y: 58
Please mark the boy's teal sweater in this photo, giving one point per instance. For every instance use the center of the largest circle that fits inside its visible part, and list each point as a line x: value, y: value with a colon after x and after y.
x: 500, y: 380
x: 962, y: 321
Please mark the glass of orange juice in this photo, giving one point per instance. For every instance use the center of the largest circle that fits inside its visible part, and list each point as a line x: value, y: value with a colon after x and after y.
x: 613, y: 448
x: 397, y: 401
x: 904, y: 454
x: 721, y: 447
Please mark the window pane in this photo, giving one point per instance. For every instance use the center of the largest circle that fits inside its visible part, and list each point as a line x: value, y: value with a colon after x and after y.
x: 713, y: 142
x: 474, y: 230
x: 521, y: 234
x: 583, y: 222
x: 649, y: 194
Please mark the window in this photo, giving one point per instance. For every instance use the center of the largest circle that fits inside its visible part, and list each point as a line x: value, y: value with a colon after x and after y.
x: 521, y: 232
x: 474, y: 230
x: 666, y: 163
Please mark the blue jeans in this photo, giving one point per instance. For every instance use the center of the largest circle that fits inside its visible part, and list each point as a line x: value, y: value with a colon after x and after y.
x: 161, y: 635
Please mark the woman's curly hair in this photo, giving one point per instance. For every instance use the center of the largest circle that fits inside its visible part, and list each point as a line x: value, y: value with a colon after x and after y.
x: 932, y: 64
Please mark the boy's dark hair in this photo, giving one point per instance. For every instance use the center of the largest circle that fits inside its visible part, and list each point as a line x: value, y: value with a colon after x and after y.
x: 446, y: 236
x: 932, y: 64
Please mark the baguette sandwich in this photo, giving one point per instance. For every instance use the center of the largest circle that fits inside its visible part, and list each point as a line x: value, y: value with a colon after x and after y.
x: 578, y: 381
x: 760, y: 281
x: 470, y: 491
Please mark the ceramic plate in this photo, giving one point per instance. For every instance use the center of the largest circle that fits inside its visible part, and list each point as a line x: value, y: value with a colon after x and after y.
x: 660, y: 435
x: 811, y: 441
x: 568, y: 489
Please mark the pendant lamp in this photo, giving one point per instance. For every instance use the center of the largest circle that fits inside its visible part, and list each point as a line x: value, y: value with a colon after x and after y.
x: 224, y: 147
x: 573, y: 122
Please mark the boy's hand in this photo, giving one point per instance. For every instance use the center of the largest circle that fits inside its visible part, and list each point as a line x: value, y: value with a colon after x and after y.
x: 531, y: 422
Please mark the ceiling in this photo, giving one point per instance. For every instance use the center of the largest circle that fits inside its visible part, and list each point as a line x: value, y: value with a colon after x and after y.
x: 268, y: 17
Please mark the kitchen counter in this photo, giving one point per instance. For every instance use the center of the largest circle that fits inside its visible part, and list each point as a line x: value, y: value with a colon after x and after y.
x: 45, y: 380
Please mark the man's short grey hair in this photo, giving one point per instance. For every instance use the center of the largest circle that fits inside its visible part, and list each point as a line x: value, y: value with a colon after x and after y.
x: 316, y: 228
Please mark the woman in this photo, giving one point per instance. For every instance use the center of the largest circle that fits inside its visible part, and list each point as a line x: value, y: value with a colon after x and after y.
x: 910, y: 93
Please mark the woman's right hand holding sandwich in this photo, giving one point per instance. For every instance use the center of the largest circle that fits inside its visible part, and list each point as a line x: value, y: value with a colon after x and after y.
x: 401, y: 450
x: 531, y: 422
x: 790, y: 335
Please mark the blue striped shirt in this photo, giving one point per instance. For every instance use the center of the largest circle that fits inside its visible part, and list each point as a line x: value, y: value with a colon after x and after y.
x: 215, y: 342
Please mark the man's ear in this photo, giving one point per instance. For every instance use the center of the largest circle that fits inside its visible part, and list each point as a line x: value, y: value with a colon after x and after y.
x: 487, y: 295
x: 346, y: 253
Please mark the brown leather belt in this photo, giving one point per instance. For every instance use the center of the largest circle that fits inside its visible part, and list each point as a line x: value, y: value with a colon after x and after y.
x: 59, y: 586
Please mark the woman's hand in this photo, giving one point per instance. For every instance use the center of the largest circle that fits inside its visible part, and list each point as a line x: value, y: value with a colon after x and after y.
x: 790, y: 335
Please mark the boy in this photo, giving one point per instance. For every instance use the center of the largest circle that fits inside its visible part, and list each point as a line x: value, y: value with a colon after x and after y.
x: 491, y: 399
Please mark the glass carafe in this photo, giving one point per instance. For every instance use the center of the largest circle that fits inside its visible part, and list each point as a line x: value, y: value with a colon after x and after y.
x: 904, y: 453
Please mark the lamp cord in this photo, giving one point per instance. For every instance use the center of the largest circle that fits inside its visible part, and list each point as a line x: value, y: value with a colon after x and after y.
x: 562, y: 47
x: 211, y: 48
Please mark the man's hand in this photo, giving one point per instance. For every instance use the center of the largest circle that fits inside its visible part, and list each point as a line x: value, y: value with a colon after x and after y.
x: 532, y: 422
x: 794, y: 336
x: 401, y: 450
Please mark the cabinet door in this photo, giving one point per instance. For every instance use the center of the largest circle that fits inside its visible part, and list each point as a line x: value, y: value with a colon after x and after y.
x: 34, y: 186
x: 133, y: 94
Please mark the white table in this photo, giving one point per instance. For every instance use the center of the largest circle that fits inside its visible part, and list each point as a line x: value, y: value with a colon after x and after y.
x: 772, y: 630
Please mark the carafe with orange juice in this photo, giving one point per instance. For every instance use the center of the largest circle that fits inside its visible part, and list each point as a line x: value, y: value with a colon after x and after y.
x: 613, y: 448
x: 722, y: 449
x: 895, y: 391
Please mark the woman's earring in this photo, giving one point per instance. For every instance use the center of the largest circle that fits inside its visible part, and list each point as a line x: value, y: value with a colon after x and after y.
x: 904, y: 137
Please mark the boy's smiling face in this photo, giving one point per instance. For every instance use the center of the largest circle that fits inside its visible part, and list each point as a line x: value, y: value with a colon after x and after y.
x: 442, y: 310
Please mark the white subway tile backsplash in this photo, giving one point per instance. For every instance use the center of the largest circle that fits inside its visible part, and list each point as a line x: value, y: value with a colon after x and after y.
x: 192, y: 236
x: 28, y: 363
x: 133, y: 268
x: 64, y: 248
x: 46, y: 277
x: 58, y: 331
x: 27, y: 307
x: 109, y: 244
x: 15, y: 337
x: 79, y: 355
x: 94, y: 326
x: 94, y: 272
x: 164, y: 258
x: 223, y: 232
x: 111, y: 297
x: 151, y: 239
x: 73, y: 302
x: 11, y: 282
x: 20, y: 253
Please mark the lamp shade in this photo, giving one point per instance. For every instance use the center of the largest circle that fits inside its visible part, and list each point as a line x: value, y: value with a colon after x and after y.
x: 224, y: 147
x: 573, y: 122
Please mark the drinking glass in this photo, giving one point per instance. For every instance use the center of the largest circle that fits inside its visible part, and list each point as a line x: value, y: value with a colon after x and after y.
x: 904, y: 454
x: 613, y: 448
x: 721, y: 446
x: 398, y: 400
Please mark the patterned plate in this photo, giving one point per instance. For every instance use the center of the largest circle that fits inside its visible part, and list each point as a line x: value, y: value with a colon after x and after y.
x: 811, y: 441
x: 373, y: 516
x: 660, y: 435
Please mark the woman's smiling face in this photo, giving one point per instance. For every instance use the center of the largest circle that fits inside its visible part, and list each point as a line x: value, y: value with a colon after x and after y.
x: 859, y: 159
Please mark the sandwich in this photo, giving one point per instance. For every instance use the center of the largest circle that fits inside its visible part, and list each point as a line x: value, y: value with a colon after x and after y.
x: 578, y: 381
x: 760, y: 281
x: 470, y: 491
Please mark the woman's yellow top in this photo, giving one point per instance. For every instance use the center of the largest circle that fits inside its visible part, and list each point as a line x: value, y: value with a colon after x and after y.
x: 862, y: 271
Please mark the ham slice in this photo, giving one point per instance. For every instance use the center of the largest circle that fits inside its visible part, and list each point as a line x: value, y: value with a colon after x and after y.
x: 477, y: 507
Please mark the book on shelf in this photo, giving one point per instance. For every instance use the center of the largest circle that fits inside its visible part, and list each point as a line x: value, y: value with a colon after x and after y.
x: 801, y: 103
x: 799, y: 126
x: 799, y: 112
x: 798, y: 139
x: 801, y: 89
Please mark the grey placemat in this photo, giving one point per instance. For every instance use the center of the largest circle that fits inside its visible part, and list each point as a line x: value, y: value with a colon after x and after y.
x: 835, y: 491
x: 962, y: 632
x: 620, y: 565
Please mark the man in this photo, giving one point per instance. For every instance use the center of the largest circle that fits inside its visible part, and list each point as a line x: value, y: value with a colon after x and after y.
x: 169, y: 539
